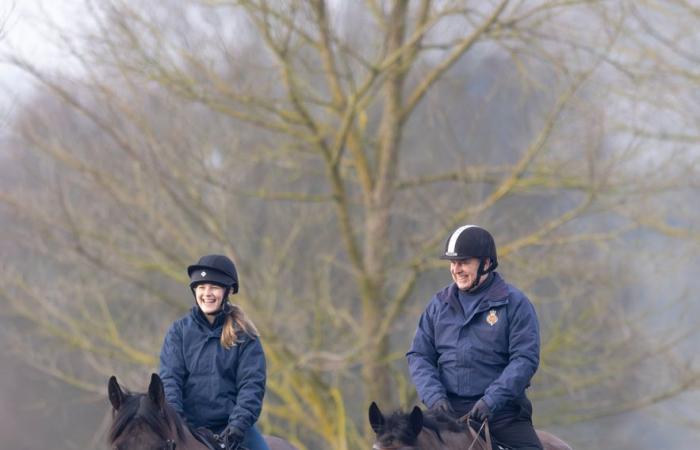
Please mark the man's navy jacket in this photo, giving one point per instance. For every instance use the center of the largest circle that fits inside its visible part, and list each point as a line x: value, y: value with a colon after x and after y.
x: 491, y: 353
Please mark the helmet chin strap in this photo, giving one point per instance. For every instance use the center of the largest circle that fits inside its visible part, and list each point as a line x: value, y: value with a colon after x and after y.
x: 479, y: 273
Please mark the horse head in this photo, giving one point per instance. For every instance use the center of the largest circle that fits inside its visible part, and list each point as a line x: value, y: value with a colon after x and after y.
x: 143, y: 421
x: 147, y: 422
x: 433, y: 431
x: 398, y: 431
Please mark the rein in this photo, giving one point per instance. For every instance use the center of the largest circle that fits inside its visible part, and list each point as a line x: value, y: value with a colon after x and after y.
x: 476, y: 435
x: 393, y: 447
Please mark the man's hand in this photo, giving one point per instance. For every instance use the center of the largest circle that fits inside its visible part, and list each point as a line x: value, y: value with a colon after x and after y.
x: 443, y: 405
x: 232, y: 437
x: 480, y: 411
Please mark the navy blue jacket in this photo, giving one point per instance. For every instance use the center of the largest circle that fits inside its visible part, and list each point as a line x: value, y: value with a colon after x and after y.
x: 207, y: 384
x: 492, y: 353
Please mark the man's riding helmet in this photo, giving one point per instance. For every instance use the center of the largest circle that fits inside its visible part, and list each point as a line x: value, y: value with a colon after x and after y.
x: 472, y: 241
x: 215, y: 269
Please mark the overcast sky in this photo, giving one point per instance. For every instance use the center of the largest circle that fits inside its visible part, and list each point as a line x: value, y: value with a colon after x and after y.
x: 25, y: 34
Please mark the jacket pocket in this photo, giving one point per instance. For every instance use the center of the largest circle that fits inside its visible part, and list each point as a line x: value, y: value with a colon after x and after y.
x: 454, y: 378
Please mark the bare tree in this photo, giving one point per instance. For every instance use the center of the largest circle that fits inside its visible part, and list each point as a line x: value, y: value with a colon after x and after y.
x: 330, y: 149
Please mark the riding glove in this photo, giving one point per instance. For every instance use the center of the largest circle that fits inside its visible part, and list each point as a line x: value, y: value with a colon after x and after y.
x: 480, y: 411
x: 232, y: 437
x: 443, y: 405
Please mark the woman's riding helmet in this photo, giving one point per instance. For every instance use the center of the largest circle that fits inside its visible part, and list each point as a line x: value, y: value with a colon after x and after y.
x: 215, y: 269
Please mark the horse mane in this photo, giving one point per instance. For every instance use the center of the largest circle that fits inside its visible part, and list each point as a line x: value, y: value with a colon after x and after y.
x: 399, y: 423
x: 139, y: 408
x: 438, y: 421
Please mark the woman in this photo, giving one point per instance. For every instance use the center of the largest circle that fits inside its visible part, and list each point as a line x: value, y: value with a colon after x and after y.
x: 212, y: 362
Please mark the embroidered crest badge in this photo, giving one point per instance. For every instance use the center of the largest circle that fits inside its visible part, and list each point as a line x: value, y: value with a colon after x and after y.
x: 203, y: 274
x: 492, y: 318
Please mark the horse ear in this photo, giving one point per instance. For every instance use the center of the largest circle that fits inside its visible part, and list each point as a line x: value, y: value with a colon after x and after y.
x: 156, y: 392
x: 376, y: 418
x: 116, y: 396
x: 416, y: 420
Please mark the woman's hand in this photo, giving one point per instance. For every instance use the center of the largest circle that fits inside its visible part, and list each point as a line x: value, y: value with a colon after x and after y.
x: 232, y: 437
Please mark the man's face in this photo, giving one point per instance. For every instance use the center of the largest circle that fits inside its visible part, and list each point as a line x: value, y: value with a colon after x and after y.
x: 464, y: 272
x: 209, y: 297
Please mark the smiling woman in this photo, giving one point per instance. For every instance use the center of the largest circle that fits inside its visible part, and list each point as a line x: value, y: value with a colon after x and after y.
x: 212, y: 363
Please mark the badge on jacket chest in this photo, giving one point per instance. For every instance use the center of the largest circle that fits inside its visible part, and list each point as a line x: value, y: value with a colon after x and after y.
x: 492, y: 318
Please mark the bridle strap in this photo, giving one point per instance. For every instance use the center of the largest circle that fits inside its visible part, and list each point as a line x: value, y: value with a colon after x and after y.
x: 476, y: 435
x: 376, y: 446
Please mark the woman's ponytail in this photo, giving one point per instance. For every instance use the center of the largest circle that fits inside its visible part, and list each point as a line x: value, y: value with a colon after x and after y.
x: 236, y: 320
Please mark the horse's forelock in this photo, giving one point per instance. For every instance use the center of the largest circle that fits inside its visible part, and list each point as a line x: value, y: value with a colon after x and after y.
x: 123, y: 416
x: 398, y: 426
x: 140, y: 409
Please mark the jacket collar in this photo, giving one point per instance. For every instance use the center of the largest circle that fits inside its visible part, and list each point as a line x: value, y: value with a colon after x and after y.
x: 201, y: 318
x: 495, y: 293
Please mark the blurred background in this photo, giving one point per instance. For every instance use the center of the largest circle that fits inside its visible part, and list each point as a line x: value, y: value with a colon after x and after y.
x: 329, y: 148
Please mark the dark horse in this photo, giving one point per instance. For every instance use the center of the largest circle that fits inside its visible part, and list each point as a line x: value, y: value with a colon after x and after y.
x: 433, y: 431
x: 147, y: 422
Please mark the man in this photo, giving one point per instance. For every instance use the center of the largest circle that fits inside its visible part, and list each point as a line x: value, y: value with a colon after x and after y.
x: 477, y: 344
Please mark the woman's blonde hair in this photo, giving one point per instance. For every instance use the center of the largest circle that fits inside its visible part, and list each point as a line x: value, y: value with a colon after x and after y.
x: 236, y: 319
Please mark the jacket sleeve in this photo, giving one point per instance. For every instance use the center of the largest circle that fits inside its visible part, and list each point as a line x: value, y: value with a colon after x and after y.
x: 250, y: 380
x: 173, y: 371
x: 422, y: 361
x: 524, y: 349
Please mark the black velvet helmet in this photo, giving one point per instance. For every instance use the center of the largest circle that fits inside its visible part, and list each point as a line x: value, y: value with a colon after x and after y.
x: 471, y: 241
x: 215, y: 269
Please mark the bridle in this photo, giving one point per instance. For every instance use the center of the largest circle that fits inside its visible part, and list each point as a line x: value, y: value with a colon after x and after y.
x: 168, y: 445
x: 377, y: 446
x: 476, y: 435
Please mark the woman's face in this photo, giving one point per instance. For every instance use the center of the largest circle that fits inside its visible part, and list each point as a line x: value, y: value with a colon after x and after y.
x: 209, y: 297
